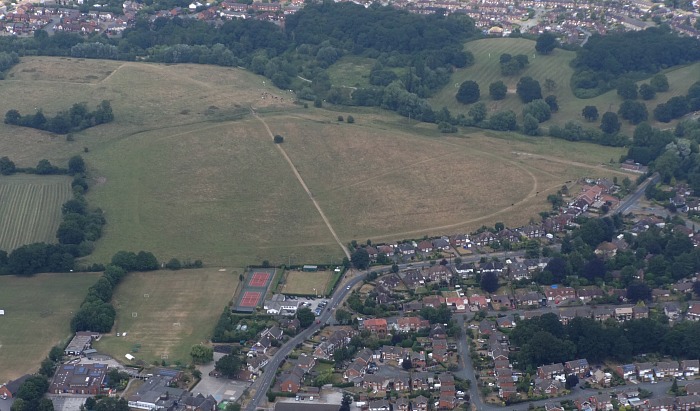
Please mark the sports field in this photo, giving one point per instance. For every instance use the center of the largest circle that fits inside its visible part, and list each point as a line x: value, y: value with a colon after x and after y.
x: 555, y: 66
x: 30, y: 208
x: 37, y: 316
x: 306, y: 283
x: 165, y: 313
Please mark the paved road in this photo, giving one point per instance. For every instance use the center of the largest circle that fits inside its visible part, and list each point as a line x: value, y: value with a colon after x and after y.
x: 467, y: 371
x: 632, y: 199
x: 263, y: 383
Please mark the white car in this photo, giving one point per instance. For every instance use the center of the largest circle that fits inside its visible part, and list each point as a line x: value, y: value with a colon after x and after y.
x: 347, y: 288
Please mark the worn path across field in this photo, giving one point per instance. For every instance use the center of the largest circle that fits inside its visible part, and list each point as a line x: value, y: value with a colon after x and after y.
x: 303, y: 184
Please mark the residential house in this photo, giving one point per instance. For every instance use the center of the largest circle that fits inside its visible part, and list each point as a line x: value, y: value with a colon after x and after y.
x: 606, y: 250
x: 589, y: 293
x: 255, y: 364
x: 550, y: 406
x: 434, y: 301
x: 376, y: 326
x: 372, y: 252
x: 420, y: 403
x: 500, y: 302
x: 354, y: 371
x: 461, y: 240
x: 402, y: 383
x: 477, y: 302
x: 409, y: 324
x: 551, y: 371
x: 486, y: 327
x: 666, y: 369
x: 559, y: 293
x: 693, y: 313
x: 465, y: 270
x: 412, y: 307
x: 401, y: 404
x: 529, y: 299
x: 602, y: 313
x: 379, y: 405
x: 690, y: 367
x: 672, y: 310
x: 446, y: 402
x: 639, y: 312
x: 406, y: 249
x: 626, y: 371
x: 548, y: 387
x: 10, y: 389
x: 623, y: 313
x: 505, y: 322
x: 439, y: 273
x: 688, y: 403
x: 659, y: 404
x: 458, y: 304
x: 376, y: 383
x: 422, y: 381
x: 518, y: 271
x: 425, y: 247
x: 645, y: 371
x: 493, y: 267
x: 306, y: 362
x: 275, y: 333
x: 442, y: 244
x: 200, y: 403
x: 579, y: 367
x: 692, y: 388
x: 392, y: 353
x: 291, y: 380
x: 483, y: 239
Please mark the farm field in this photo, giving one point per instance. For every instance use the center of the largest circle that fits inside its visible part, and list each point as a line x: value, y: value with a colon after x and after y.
x: 300, y: 282
x: 555, y: 66
x: 174, y: 311
x: 30, y: 208
x: 37, y: 316
x: 186, y: 171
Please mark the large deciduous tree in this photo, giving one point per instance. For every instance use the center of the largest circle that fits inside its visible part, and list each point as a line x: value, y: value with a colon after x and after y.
x: 498, y: 90
x: 468, y: 92
x: 610, y: 124
x: 546, y: 42
x: 528, y: 89
x: 360, y: 258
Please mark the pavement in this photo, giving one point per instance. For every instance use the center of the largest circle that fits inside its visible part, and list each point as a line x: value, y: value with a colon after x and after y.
x: 219, y: 388
x: 67, y: 402
x: 5, y: 405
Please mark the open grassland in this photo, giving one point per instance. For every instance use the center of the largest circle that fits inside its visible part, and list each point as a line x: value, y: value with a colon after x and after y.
x: 219, y: 193
x: 555, y: 66
x: 300, y: 282
x: 381, y: 182
x: 180, y: 310
x: 185, y: 171
x: 30, y: 208
x: 351, y: 71
x: 38, y: 310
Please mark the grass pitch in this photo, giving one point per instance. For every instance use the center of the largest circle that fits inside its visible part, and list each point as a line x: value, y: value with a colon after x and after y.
x: 38, y: 310
x: 174, y: 311
x: 30, y: 208
x: 306, y: 283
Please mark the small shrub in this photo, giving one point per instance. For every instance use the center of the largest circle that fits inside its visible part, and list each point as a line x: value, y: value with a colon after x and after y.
x: 341, y: 119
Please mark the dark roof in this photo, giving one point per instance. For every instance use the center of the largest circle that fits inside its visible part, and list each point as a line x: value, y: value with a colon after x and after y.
x: 305, y: 406
x: 13, y: 386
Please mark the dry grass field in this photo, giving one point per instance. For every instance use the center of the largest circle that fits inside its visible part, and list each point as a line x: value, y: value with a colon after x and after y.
x: 390, y: 183
x: 180, y: 311
x: 30, y: 208
x: 185, y: 171
x: 300, y: 282
x: 37, y: 316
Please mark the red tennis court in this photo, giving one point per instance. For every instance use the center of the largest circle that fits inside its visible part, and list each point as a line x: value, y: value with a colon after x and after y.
x: 259, y: 279
x: 250, y: 299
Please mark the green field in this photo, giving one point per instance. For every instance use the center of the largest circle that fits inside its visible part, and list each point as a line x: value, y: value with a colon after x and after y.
x: 174, y: 311
x: 185, y: 171
x: 30, y: 208
x: 306, y: 283
x: 38, y: 310
x: 555, y: 66
x: 351, y: 71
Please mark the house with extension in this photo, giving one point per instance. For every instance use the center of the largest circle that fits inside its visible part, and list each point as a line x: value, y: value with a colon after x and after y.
x: 579, y: 367
x: 551, y: 371
x: 376, y: 326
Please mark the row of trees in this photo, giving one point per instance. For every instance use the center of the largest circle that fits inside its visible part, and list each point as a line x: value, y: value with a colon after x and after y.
x: 544, y: 340
x: 677, y: 107
x: 604, y: 59
x: 96, y: 312
x: 76, y: 119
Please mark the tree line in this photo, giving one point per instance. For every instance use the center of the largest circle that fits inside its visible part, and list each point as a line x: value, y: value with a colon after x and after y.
x: 80, y: 226
x: 77, y: 118
x: 545, y: 340
x: 632, y: 54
